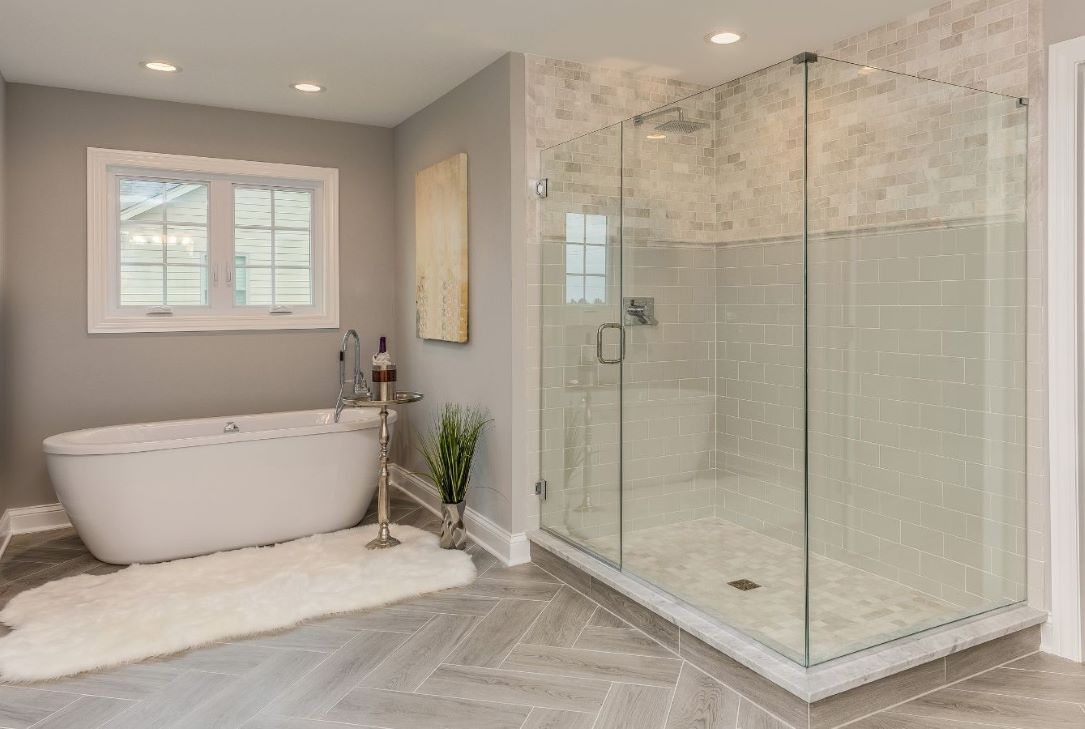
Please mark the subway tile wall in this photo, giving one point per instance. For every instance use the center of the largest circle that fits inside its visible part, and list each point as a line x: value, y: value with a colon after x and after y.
x: 995, y: 45
x: 916, y: 403
x: 917, y: 407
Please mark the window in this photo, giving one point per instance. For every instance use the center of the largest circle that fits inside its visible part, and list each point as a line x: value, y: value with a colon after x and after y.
x: 585, y: 259
x: 196, y: 244
x: 162, y: 235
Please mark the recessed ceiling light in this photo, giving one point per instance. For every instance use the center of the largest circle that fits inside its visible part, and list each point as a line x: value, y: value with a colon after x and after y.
x: 655, y: 136
x: 723, y: 37
x: 306, y: 88
x: 163, y: 66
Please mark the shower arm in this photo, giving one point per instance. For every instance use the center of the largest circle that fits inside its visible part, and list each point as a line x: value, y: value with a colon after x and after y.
x: 641, y: 118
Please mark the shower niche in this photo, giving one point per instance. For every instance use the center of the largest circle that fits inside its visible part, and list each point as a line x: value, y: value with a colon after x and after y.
x: 817, y: 434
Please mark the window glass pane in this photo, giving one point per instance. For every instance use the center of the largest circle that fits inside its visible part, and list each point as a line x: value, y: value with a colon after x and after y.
x: 292, y: 248
x: 293, y: 208
x: 595, y: 260
x: 574, y: 289
x: 595, y: 289
x: 186, y: 285
x: 258, y: 287
x: 574, y: 228
x: 273, y: 242
x: 574, y: 258
x: 292, y: 286
x: 162, y: 222
x: 186, y: 245
x: 252, y: 206
x: 140, y: 243
x: 141, y: 285
x: 142, y: 200
x: 241, y: 281
x: 254, y: 245
x: 596, y: 230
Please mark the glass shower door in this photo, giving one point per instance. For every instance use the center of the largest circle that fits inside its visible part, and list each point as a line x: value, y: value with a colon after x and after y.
x: 712, y: 472
x: 582, y: 342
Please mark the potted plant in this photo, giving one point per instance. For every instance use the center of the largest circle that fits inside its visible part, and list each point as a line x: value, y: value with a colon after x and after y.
x: 449, y: 450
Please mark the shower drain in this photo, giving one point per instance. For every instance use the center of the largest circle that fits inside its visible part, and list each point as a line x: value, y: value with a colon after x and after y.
x: 744, y: 584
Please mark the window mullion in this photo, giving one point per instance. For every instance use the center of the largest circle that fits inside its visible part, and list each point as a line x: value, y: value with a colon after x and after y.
x: 274, y: 258
x: 165, y: 253
x: 220, y: 243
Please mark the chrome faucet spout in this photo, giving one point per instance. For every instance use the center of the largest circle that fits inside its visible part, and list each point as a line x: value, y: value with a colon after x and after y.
x: 359, y: 388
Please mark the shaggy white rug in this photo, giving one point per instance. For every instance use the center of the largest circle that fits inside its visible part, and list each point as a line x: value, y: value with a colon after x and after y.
x: 95, y: 621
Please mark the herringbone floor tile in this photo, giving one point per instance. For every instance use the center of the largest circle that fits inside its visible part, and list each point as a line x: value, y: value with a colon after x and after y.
x: 519, y: 649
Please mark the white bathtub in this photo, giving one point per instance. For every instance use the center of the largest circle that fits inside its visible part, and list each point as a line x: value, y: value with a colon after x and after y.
x: 158, y: 491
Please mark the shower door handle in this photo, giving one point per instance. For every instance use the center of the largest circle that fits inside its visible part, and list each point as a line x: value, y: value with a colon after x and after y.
x: 599, y: 343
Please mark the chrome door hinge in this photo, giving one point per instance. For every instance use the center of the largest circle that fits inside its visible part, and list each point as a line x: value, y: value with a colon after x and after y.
x: 540, y: 489
x: 542, y: 187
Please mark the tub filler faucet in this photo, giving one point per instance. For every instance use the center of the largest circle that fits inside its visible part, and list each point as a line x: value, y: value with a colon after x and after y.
x: 358, y: 388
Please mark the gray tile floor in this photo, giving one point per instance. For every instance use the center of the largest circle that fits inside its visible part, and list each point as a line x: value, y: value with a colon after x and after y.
x: 518, y: 649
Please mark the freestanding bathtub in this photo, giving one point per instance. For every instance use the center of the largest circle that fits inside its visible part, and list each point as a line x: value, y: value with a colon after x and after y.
x: 157, y: 491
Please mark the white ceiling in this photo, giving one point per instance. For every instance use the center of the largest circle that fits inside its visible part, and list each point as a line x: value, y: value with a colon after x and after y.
x: 382, y: 60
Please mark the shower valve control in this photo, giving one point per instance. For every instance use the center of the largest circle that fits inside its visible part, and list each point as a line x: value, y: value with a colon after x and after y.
x: 639, y: 311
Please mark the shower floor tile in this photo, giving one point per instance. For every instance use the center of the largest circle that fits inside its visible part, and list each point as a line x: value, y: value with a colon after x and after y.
x: 849, y: 609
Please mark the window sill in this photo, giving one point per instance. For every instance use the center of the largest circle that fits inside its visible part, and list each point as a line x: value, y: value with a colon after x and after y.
x: 142, y: 324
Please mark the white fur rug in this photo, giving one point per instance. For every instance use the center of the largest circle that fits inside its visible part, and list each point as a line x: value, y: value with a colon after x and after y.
x: 96, y: 621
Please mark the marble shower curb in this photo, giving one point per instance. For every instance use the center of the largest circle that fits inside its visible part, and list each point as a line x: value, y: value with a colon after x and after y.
x: 809, y: 685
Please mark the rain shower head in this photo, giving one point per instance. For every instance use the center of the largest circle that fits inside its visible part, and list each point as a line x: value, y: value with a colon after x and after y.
x: 680, y: 125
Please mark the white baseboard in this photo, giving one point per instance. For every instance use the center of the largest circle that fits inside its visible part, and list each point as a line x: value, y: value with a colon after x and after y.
x: 511, y: 549
x: 38, y: 518
x: 5, y: 532
x: 27, y: 519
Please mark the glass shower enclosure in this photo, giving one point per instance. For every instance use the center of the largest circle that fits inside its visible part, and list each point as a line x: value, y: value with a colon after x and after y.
x: 783, y: 364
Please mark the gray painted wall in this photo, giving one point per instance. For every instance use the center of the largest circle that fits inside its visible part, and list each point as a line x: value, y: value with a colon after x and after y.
x: 473, y: 118
x: 1063, y: 19
x: 4, y: 349
x: 59, y: 378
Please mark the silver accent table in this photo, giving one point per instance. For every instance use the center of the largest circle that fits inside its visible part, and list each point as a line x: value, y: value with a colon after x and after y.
x: 384, y: 538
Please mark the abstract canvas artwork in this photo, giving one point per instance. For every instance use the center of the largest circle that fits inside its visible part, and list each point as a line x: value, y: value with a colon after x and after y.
x: 440, y: 222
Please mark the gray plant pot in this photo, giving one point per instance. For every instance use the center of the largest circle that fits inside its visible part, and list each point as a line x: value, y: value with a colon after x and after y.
x: 453, y: 533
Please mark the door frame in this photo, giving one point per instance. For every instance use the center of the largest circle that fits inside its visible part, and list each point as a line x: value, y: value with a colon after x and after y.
x: 1064, y: 634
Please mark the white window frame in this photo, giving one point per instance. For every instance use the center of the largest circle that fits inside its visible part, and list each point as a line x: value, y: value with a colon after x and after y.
x: 104, y: 313
x: 1064, y: 633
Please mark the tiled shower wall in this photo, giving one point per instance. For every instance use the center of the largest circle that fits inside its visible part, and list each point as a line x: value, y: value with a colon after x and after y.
x: 917, y: 407
x: 758, y: 195
x: 995, y: 45
x: 916, y: 402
